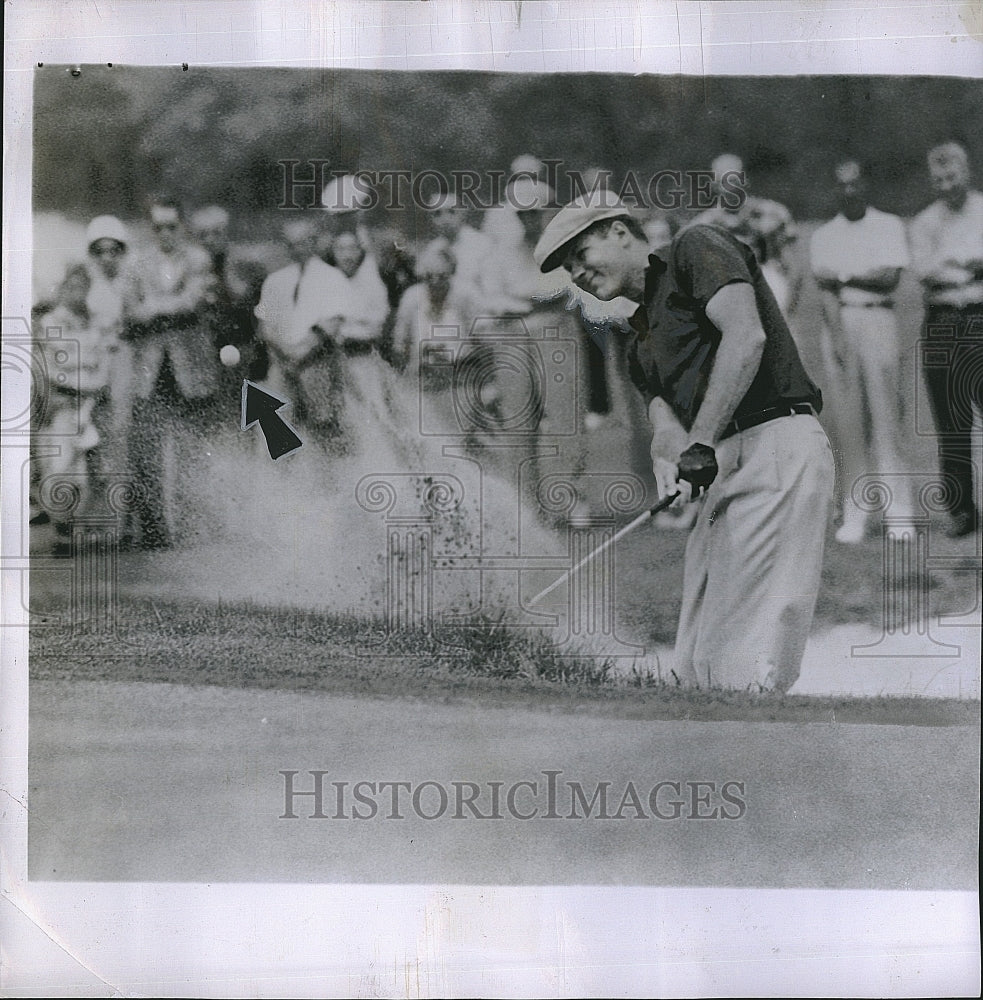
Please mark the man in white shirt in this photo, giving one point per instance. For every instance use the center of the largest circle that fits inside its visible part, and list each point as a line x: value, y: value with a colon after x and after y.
x: 367, y: 301
x: 857, y: 260
x: 947, y: 249
x: 299, y: 314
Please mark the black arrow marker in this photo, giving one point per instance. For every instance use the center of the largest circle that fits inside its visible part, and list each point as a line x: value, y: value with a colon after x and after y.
x: 260, y: 406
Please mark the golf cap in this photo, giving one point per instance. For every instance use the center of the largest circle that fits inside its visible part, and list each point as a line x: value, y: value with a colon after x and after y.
x: 344, y: 195
x: 570, y: 222
x: 106, y: 227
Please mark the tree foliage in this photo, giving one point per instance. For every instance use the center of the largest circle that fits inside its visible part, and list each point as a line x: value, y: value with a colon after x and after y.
x: 108, y: 137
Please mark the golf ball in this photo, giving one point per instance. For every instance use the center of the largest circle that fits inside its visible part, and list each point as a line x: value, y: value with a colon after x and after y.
x: 229, y: 355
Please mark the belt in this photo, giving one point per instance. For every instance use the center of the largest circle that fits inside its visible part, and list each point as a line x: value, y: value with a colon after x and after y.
x: 885, y: 304
x: 973, y: 308
x: 739, y: 424
x: 352, y: 347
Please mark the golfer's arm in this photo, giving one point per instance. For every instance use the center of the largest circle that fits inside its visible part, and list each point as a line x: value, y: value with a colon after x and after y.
x: 668, y: 434
x: 734, y: 312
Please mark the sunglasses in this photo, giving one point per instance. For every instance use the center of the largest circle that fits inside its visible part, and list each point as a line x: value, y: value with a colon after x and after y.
x: 160, y: 227
x: 110, y: 251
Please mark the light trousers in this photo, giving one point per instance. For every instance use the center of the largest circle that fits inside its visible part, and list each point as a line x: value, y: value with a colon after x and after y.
x: 863, y: 396
x: 754, y: 558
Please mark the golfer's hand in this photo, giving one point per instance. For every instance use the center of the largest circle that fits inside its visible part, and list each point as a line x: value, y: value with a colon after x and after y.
x: 667, y: 480
x: 698, y: 468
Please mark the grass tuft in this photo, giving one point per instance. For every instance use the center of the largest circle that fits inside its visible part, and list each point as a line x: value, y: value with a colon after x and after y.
x: 248, y: 645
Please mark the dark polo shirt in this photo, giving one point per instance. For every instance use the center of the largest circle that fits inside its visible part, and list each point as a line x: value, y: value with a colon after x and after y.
x: 674, y: 345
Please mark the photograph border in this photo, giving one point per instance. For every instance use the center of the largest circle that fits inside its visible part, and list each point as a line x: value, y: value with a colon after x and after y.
x: 87, y: 939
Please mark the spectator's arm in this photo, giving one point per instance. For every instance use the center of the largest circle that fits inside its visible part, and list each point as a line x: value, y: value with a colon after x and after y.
x: 135, y: 309
x: 826, y: 279
x: 795, y: 273
x: 192, y: 293
x: 830, y: 303
x: 819, y: 256
x: 327, y: 328
x: 362, y: 328
x: 933, y: 271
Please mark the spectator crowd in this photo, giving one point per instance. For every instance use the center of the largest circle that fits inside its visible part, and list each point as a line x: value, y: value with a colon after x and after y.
x: 349, y: 309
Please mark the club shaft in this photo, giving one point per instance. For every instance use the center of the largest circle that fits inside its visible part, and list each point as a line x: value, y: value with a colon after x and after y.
x: 620, y: 533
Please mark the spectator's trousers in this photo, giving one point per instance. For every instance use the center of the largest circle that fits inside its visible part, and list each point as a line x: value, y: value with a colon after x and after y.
x: 863, y: 402
x: 952, y: 361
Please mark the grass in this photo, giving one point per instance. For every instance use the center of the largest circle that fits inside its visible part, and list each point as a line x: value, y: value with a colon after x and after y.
x: 245, y: 645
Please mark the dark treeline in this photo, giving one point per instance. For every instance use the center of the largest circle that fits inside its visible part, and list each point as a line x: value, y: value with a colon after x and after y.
x: 106, y: 138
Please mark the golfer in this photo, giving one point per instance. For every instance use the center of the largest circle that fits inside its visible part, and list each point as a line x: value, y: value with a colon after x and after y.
x: 735, y: 429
